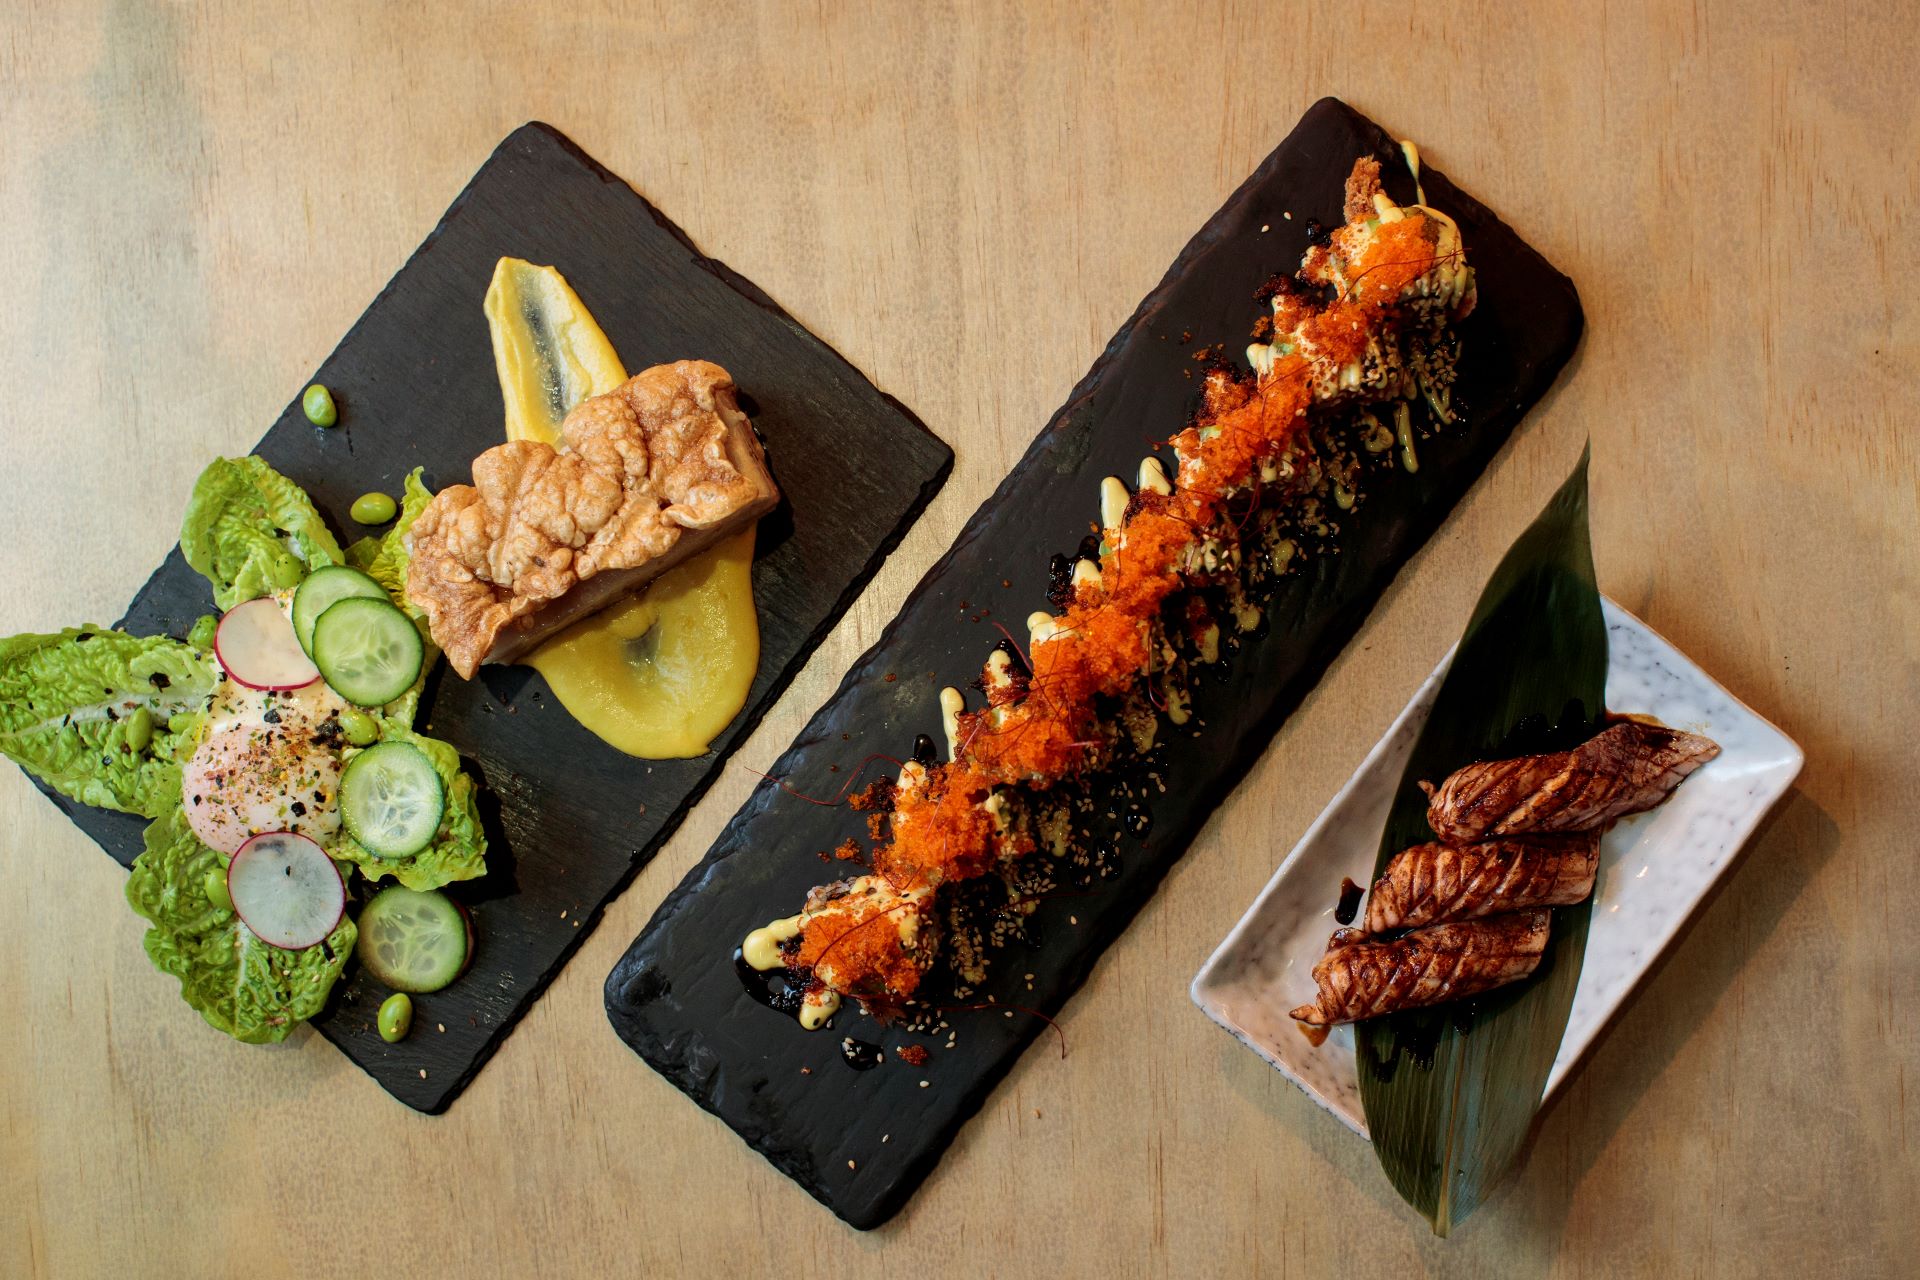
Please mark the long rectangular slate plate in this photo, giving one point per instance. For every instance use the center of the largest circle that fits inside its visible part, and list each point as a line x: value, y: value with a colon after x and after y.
x: 569, y: 819
x: 675, y: 997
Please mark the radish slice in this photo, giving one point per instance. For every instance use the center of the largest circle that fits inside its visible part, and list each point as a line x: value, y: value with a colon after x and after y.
x: 286, y: 890
x: 256, y: 645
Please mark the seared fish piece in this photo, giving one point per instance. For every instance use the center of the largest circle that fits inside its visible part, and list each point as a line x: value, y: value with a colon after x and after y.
x: 645, y: 477
x: 1361, y: 978
x: 1430, y: 883
x: 1629, y: 768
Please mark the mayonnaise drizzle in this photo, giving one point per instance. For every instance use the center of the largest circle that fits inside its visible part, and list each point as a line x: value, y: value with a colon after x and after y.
x: 952, y: 703
x: 761, y: 950
x: 1113, y: 504
x: 1153, y: 477
x: 1411, y: 150
x: 816, y: 1007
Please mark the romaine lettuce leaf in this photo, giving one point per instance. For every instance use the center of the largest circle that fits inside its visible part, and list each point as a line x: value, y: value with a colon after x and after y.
x: 241, y: 986
x: 459, y: 849
x: 250, y: 531
x: 205, y: 627
x: 75, y: 706
x: 384, y: 559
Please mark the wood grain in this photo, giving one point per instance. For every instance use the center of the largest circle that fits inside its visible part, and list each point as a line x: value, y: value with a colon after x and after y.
x: 966, y: 200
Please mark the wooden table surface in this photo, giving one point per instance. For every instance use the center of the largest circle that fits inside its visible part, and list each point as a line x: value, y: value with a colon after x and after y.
x: 967, y: 200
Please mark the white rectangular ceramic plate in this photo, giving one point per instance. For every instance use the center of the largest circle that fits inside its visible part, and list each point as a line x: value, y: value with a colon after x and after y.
x: 1654, y: 868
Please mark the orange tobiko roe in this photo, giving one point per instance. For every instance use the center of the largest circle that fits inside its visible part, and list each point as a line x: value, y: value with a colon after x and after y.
x: 1256, y: 420
x: 1140, y: 573
x: 1338, y: 335
x: 854, y: 945
x: 1033, y: 741
x: 941, y: 831
x: 1099, y: 648
x: 1397, y: 254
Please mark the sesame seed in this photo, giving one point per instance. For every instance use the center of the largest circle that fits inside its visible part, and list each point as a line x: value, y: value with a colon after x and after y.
x: 423, y: 1073
x: 923, y: 1084
x: 850, y: 1164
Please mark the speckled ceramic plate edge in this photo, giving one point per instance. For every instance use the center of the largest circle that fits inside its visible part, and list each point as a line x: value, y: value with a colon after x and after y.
x: 1655, y: 870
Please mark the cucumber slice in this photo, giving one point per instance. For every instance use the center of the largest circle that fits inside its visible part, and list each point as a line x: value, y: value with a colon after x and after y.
x: 391, y: 799
x: 325, y: 587
x: 367, y: 650
x: 413, y: 940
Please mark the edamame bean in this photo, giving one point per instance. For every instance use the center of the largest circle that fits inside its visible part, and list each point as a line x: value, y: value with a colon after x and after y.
x: 317, y: 404
x: 216, y: 886
x: 200, y: 636
x: 139, y: 729
x: 396, y: 1017
x: 373, y: 508
x: 359, y: 727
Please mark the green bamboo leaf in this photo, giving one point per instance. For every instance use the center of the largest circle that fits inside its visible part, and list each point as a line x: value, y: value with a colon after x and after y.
x: 1451, y: 1092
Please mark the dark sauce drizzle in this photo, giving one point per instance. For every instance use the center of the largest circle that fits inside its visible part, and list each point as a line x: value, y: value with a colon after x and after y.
x: 1349, y: 901
x: 860, y: 1054
x: 774, y: 988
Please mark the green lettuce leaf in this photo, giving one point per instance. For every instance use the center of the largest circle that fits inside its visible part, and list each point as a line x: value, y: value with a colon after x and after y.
x: 251, y: 991
x: 103, y: 717
x: 205, y: 627
x: 459, y: 848
x: 384, y: 559
x: 250, y: 531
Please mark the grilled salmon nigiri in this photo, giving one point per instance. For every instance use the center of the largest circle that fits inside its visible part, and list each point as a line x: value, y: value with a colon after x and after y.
x: 1628, y: 768
x: 1361, y: 978
x: 1430, y: 883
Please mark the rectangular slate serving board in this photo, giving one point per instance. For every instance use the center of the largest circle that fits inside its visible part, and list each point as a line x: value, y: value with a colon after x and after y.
x: 675, y: 998
x: 569, y: 820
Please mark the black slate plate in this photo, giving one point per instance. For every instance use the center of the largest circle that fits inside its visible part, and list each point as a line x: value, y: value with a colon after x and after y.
x: 675, y: 998
x: 569, y: 819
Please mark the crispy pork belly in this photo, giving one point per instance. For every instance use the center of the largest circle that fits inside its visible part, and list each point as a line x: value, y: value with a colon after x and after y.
x: 1359, y: 977
x: 1626, y: 769
x: 1430, y: 883
x: 645, y: 477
